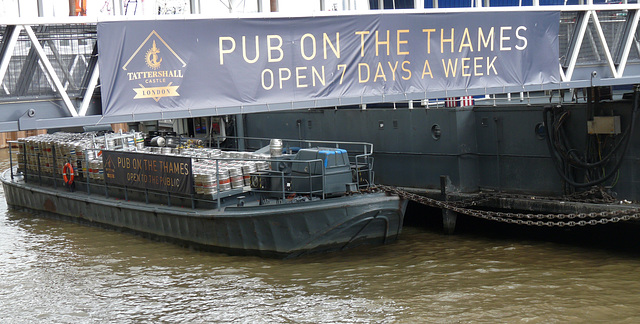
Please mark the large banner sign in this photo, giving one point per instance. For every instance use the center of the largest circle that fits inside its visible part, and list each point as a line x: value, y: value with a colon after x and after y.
x: 148, y: 171
x: 168, y: 65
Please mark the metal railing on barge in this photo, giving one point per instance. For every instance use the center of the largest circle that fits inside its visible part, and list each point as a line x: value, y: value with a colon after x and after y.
x: 271, y: 181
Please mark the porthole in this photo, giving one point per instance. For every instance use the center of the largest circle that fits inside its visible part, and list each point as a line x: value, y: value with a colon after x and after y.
x: 541, y: 131
x: 436, y: 132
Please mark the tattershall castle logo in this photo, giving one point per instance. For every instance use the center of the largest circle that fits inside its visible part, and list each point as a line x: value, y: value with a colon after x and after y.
x: 154, y: 70
x: 152, y: 57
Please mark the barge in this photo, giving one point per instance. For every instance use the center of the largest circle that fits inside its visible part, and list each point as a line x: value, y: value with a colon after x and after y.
x: 284, y: 199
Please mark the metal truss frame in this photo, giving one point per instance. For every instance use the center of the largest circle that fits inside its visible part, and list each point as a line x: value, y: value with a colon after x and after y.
x: 612, y: 67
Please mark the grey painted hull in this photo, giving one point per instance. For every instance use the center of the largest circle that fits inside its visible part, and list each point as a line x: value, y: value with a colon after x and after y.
x: 282, y: 230
x: 480, y: 148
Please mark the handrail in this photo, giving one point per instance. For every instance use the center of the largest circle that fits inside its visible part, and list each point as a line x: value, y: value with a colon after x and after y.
x: 367, y: 147
x: 235, y: 15
x: 41, y: 165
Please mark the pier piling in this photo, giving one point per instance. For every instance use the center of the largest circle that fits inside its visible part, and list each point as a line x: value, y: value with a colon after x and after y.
x: 449, y: 217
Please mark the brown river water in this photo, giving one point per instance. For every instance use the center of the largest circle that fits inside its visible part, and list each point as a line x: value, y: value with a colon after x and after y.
x: 53, y: 271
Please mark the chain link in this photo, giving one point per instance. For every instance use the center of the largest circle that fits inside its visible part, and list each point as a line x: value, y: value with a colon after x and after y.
x: 596, y: 195
x: 549, y: 220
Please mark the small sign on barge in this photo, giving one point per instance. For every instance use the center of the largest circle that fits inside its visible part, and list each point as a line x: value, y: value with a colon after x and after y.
x: 148, y: 171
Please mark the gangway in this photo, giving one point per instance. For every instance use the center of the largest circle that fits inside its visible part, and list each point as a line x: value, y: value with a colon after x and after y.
x: 50, y: 74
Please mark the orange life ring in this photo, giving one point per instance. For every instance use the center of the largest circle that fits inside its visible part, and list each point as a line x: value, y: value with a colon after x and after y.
x: 68, y: 169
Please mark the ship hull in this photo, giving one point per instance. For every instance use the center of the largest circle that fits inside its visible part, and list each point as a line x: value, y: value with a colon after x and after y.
x: 479, y: 148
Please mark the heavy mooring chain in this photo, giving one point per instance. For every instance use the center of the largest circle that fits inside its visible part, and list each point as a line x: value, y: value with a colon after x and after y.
x: 595, y: 195
x: 549, y: 220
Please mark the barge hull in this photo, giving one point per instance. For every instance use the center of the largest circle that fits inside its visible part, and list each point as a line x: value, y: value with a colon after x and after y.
x: 282, y: 230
